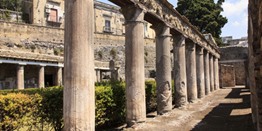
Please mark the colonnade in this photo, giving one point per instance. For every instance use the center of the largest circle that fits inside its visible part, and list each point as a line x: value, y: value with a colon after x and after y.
x: 20, y: 75
x: 195, y: 67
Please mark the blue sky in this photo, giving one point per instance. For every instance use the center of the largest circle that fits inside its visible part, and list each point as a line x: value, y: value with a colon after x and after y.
x: 236, y: 13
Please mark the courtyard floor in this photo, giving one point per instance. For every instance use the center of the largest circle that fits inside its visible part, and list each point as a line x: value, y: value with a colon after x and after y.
x: 227, y: 109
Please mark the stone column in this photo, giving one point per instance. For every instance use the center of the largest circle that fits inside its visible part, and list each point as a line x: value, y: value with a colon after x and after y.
x: 207, y: 71
x: 191, y: 71
x: 20, y: 77
x: 163, y: 68
x: 200, y: 72
x: 134, y: 69
x: 211, y: 66
x: 79, y: 91
x: 98, y: 79
x: 41, y: 77
x: 180, y: 71
x: 216, y: 73
x: 59, y: 76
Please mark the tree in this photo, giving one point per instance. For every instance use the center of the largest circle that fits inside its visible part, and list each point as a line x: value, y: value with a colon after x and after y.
x: 205, y: 15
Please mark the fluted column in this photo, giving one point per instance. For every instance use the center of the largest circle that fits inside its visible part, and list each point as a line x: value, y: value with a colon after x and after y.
x: 191, y: 71
x: 59, y: 76
x: 207, y: 71
x: 216, y: 74
x: 41, y: 77
x: 211, y: 66
x: 200, y: 72
x: 20, y: 77
x: 79, y: 91
x: 180, y: 71
x: 134, y: 69
x: 163, y: 69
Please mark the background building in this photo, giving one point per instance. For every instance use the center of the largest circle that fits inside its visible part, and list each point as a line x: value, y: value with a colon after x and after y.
x: 36, y: 41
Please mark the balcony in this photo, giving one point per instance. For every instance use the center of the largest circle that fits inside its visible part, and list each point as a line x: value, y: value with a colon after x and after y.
x: 108, y: 29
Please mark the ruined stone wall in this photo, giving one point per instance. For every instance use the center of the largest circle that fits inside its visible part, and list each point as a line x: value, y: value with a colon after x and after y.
x: 46, y: 40
x: 227, y: 73
x: 235, y: 56
x: 255, y: 58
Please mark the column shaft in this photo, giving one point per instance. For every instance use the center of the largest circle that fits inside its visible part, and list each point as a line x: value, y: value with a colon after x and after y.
x: 59, y: 76
x: 180, y: 71
x: 79, y: 91
x: 207, y: 71
x: 191, y: 71
x: 20, y: 77
x: 163, y: 69
x: 211, y: 66
x: 41, y: 77
x: 216, y: 74
x: 134, y: 69
x: 200, y: 72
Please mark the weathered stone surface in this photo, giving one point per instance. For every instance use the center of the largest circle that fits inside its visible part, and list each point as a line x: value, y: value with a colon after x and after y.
x: 59, y: 76
x: 134, y: 71
x: 207, y: 71
x: 216, y: 74
x: 228, y: 76
x: 255, y: 73
x: 180, y: 71
x: 191, y: 71
x: 79, y: 91
x: 200, y: 72
x: 41, y: 77
x: 20, y: 77
x: 211, y: 68
x: 163, y: 69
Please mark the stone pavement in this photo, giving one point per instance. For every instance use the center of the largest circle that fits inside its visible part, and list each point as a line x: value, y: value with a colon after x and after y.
x: 226, y: 109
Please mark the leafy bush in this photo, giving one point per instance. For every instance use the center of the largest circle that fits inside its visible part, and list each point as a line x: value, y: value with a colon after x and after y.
x: 31, y: 109
x: 151, y: 104
x: 39, y: 109
x: 17, y: 110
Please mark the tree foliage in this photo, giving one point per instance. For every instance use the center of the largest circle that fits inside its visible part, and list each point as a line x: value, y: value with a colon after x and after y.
x: 13, y: 5
x: 204, y: 14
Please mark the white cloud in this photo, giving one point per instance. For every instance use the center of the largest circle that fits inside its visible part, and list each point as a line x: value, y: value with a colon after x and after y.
x: 235, y: 7
x: 236, y: 23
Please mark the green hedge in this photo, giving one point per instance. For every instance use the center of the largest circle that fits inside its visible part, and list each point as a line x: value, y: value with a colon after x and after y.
x: 41, y: 109
x: 31, y: 109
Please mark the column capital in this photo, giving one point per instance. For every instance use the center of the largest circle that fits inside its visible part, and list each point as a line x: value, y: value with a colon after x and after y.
x: 190, y: 46
x: 161, y: 30
x: 179, y: 40
x: 199, y: 50
x: 133, y: 13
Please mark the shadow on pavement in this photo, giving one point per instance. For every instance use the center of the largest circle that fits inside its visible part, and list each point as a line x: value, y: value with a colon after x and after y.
x: 233, y: 114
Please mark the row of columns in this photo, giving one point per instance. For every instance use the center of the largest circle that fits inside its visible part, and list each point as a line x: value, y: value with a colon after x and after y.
x: 191, y: 68
x: 41, y: 77
x: 196, y: 71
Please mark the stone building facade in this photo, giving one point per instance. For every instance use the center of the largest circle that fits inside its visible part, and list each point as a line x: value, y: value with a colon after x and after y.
x: 20, y: 41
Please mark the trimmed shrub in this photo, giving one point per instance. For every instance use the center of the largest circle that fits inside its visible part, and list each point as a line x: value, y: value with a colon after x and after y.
x: 17, y: 110
x: 42, y: 109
